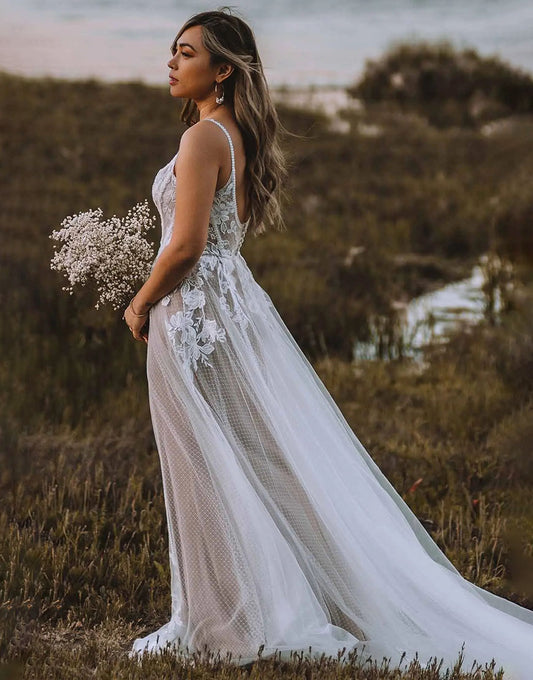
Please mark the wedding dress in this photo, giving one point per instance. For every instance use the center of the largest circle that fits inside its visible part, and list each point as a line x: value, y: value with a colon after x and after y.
x: 283, y: 532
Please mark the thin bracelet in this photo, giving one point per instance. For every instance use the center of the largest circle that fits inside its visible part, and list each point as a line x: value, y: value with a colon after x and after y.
x: 139, y: 316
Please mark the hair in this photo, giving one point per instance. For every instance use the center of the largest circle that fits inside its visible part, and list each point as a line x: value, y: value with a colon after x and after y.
x: 229, y: 39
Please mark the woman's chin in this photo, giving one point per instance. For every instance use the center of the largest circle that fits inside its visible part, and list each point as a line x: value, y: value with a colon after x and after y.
x: 174, y: 90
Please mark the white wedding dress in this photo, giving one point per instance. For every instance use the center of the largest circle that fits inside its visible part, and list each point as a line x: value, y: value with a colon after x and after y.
x: 283, y: 532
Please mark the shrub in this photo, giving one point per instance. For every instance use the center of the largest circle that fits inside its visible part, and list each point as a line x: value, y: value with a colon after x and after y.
x: 447, y: 86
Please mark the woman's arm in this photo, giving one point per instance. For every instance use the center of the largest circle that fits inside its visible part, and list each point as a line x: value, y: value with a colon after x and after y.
x: 197, y: 167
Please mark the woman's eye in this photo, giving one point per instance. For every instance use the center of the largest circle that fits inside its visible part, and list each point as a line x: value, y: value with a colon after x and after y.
x: 186, y: 54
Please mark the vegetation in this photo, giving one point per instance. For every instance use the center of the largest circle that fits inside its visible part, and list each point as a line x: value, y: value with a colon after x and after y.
x: 82, y: 523
x: 371, y: 220
x: 446, y: 86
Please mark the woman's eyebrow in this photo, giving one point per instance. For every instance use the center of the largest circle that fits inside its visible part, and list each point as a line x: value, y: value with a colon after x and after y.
x: 184, y: 44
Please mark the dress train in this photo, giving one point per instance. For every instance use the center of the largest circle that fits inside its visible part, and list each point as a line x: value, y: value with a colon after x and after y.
x: 283, y: 532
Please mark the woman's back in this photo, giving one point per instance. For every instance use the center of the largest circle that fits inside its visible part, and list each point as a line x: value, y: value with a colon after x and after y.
x: 241, y: 175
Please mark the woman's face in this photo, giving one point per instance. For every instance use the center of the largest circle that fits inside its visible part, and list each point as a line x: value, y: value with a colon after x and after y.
x: 192, y: 76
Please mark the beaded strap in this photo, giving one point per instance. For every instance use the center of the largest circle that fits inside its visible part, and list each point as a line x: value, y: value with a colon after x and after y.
x: 232, y: 151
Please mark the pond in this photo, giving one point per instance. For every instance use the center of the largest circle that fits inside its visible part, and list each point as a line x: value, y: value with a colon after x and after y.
x: 430, y: 318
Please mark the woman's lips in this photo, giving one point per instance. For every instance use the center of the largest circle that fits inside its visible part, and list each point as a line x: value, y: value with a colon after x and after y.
x: 172, y: 80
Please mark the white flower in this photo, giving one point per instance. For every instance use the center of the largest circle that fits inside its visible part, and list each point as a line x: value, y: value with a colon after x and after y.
x: 113, y: 255
x: 240, y: 318
x: 184, y: 323
x: 224, y: 304
x: 209, y: 262
x: 223, y: 219
x: 200, y: 352
x: 194, y: 298
x: 210, y: 332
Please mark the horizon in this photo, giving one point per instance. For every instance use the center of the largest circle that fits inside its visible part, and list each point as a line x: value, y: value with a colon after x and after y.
x: 129, y: 43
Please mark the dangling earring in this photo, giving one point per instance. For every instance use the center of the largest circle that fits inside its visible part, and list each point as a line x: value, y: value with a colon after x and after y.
x: 219, y: 100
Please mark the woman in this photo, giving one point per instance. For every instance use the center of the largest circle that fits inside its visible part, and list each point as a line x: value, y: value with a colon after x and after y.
x: 283, y: 532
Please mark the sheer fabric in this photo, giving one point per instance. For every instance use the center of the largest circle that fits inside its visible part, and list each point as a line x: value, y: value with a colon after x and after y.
x: 283, y: 532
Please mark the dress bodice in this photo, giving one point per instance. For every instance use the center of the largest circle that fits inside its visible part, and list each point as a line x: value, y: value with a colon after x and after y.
x: 226, y: 232
x: 218, y: 285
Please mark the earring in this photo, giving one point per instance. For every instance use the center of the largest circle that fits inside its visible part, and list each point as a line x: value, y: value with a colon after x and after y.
x: 219, y: 100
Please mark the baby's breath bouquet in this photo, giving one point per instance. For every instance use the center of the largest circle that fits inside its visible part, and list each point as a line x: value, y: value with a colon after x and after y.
x: 113, y: 254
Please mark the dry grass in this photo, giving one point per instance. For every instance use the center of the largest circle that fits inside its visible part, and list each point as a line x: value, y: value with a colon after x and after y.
x: 83, y: 551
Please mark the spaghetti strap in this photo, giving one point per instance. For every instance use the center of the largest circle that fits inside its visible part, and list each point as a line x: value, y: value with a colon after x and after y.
x: 229, y: 140
x: 233, y: 177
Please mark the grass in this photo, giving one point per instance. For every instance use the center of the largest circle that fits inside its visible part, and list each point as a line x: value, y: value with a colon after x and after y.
x: 83, y: 546
x: 82, y: 526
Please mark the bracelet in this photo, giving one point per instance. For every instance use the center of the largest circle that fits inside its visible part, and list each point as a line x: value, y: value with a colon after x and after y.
x: 139, y: 316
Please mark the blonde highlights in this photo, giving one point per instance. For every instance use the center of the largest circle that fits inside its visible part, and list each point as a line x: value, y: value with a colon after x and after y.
x: 230, y: 40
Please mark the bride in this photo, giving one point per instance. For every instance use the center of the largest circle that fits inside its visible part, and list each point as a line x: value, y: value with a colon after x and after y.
x: 283, y: 532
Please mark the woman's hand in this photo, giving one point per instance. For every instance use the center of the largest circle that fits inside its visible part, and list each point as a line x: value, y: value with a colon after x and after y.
x: 137, y: 324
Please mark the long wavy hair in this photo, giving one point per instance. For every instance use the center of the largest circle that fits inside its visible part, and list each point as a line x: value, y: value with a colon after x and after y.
x: 229, y: 39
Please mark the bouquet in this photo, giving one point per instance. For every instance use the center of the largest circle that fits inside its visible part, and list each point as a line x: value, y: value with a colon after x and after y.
x: 113, y: 255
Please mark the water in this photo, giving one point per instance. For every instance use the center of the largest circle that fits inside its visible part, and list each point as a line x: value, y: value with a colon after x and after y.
x: 301, y: 42
x: 430, y: 318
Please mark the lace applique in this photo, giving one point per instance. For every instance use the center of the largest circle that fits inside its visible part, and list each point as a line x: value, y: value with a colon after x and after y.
x: 193, y: 336
x: 163, y: 193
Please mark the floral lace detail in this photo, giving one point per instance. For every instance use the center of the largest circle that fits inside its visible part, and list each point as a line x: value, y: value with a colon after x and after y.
x: 193, y: 336
x: 196, y: 333
x: 191, y: 333
x: 163, y: 193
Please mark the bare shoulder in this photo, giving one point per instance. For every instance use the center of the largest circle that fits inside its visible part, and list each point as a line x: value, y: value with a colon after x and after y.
x: 204, y: 140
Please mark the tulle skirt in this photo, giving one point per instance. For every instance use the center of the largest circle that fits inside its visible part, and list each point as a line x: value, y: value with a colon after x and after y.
x: 283, y: 532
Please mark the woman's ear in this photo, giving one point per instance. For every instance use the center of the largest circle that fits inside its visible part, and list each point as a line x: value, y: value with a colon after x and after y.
x: 225, y: 70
